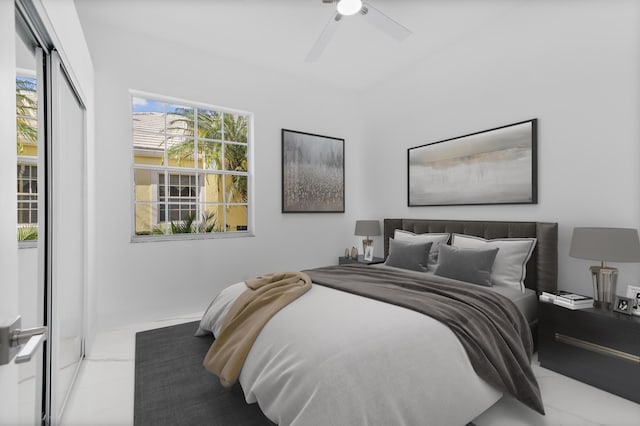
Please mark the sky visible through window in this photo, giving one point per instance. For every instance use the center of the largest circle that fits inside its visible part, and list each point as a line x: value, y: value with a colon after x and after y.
x: 150, y: 105
x: 28, y: 80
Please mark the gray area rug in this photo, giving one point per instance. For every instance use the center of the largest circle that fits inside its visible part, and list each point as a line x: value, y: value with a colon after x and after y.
x: 173, y: 388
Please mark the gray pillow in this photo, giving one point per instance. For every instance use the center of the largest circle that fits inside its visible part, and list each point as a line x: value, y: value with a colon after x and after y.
x: 408, y: 254
x: 470, y: 265
x: 436, y: 239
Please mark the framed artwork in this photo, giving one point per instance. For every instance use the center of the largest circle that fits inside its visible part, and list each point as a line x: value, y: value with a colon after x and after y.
x: 312, y: 173
x: 368, y: 253
x: 623, y: 304
x: 633, y: 293
x: 496, y: 166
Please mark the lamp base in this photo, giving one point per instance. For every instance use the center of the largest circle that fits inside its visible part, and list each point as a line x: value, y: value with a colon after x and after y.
x: 605, y: 281
x: 365, y: 244
x: 367, y: 249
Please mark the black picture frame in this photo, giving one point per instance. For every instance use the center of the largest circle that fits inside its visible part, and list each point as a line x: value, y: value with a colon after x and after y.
x: 623, y: 305
x: 312, y: 173
x: 495, y: 166
x: 633, y: 293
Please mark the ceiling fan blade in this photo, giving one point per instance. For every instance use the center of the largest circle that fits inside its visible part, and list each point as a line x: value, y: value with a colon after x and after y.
x: 325, y: 37
x: 384, y: 23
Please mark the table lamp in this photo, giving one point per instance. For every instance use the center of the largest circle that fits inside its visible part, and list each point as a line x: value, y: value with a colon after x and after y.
x: 605, y: 245
x: 367, y: 228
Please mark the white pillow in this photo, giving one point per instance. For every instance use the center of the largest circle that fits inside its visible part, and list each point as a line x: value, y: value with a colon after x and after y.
x: 436, y: 239
x: 510, y: 266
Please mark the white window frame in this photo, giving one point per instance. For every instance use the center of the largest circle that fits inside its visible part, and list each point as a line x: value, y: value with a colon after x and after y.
x: 27, y: 162
x: 194, y: 170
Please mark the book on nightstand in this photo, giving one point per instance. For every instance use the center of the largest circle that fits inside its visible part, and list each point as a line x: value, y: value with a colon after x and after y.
x: 567, y: 299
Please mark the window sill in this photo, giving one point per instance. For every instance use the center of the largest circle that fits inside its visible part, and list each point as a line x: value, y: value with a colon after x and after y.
x: 28, y: 244
x: 185, y: 237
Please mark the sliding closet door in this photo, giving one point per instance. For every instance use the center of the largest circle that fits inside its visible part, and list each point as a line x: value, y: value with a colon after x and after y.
x: 68, y: 239
x: 31, y: 226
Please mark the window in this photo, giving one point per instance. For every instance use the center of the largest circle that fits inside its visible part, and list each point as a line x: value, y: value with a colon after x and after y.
x: 182, y: 196
x: 191, y: 168
x: 27, y: 151
x: 27, y: 194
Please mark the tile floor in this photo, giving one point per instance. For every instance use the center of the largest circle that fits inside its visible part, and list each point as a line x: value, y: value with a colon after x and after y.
x: 103, y: 394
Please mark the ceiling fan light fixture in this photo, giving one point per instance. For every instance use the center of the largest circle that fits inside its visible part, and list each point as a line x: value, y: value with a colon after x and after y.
x: 349, y: 7
x: 368, y: 12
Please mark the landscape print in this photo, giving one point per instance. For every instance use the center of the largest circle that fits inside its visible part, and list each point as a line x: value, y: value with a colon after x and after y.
x: 312, y: 173
x: 496, y: 166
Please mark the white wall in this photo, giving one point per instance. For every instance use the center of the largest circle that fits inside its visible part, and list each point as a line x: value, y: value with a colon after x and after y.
x: 574, y: 65
x: 8, y: 246
x: 142, y: 281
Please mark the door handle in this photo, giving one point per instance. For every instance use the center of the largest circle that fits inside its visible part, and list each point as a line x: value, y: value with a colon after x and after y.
x: 12, y: 337
x: 34, y: 338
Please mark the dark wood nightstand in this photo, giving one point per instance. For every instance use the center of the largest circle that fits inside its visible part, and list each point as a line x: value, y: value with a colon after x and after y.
x: 347, y: 260
x: 595, y: 346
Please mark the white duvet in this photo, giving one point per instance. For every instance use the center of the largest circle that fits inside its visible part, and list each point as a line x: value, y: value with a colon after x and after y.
x: 334, y: 358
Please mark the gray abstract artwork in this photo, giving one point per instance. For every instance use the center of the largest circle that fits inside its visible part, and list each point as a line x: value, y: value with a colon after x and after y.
x: 492, y: 167
x: 312, y: 173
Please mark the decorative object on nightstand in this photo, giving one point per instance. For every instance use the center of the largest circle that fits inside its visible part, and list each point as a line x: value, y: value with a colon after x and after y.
x: 354, y: 253
x: 623, y: 305
x: 368, y: 252
x: 367, y: 228
x: 633, y: 292
x: 605, y: 245
x: 567, y: 299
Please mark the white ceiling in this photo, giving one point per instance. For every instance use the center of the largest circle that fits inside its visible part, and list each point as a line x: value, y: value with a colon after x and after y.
x: 278, y: 34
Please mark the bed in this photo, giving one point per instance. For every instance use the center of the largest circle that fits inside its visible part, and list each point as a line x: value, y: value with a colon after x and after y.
x: 336, y: 356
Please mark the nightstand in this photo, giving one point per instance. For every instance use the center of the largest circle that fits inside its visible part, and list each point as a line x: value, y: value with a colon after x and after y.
x: 596, y: 346
x: 347, y: 260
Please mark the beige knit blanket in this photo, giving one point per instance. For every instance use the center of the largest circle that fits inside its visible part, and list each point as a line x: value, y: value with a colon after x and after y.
x: 264, y: 297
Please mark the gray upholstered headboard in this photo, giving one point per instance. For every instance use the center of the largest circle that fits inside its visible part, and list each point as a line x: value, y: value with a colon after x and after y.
x: 542, y: 268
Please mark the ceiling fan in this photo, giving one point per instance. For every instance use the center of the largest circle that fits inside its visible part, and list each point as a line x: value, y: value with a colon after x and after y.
x: 351, y: 7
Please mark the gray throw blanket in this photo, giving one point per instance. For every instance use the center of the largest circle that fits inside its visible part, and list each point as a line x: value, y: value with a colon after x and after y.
x: 492, y: 330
